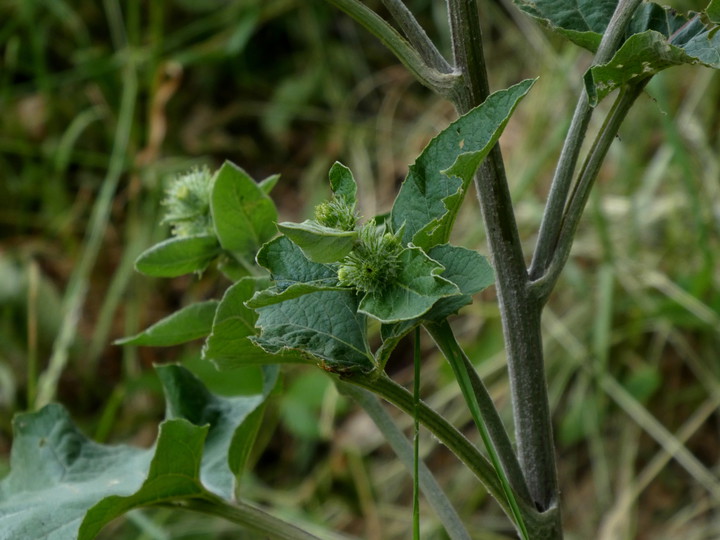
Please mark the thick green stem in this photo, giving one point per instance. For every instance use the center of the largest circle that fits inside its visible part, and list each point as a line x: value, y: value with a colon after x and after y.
x: 397, y: 440
x: 540, y: 525
x: 487, y: 420
x: 520, y: 313
x: 392, y: 392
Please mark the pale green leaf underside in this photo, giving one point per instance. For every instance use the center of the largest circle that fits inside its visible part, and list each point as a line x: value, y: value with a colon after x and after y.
x: 431, y: 195
x: 178, y: 256
x: 63, y: 486
x: 189, y: 323
x: 320, y: 244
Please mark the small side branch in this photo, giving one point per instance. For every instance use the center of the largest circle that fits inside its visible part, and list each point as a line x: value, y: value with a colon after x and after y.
x: 443, y: 83
x: 417, y: 36
x: 581, y: 192
x: 562, y: 181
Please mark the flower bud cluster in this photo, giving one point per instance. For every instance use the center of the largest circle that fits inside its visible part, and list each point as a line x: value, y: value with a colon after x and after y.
x: 373, y: 265
x: 336, y: 214
x: 187, y: 203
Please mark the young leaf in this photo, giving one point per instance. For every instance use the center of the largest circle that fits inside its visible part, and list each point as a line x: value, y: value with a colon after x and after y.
x: 288, y: 265
x: 467, y: 269
x: 320, y: 244
x: 323, y: 324
x: 189, y: 323
x: 229, y: 345
x: 243, y: 214
x: 267, y: 184
x: 343, y: 183
x: 178, y: 256
x: 416, y: 288
x: 430, y: 196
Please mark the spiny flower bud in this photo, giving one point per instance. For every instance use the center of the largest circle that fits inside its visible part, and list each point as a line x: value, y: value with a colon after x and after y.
x: 336, y: 214
x: 187, y: 203
x: 373, y: 264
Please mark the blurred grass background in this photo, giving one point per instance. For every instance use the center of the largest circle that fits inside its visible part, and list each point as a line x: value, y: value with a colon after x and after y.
x: 102, y: 102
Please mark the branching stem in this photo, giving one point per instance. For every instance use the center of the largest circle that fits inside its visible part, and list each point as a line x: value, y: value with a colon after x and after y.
x: 562, y: 181
x: 442, y: 83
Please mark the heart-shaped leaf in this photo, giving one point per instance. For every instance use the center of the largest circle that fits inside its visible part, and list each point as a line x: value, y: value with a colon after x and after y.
x: 63, y: 486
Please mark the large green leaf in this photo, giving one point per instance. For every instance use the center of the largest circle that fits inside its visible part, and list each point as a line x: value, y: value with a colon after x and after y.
x: 229, y: 345
x: 178, y: 256
x: 324, y: 324
x: 186, y: 397
x: 189, y: 323
x: 413, y: 292
x: 243, y: 214
x: 430, y: 196
x: 658, y: 37
x: 63, y: 486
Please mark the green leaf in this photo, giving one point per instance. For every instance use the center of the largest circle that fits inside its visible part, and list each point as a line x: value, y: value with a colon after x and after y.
x: 267, y: 184
x: 320, y: 244
x: 467, y: 269
x: 435, y: 187
x: 243, y: 214
x: 189, y: 323
x: 288, y: 265
x: 57, y: 474
x: 229, y: 345
x: 178, y: 256
x: 64, y: 486
x: 414, y: 291
x: 343, y: 183
x: 658, y: 37
x: 173, y: 475
x: 323, y: 324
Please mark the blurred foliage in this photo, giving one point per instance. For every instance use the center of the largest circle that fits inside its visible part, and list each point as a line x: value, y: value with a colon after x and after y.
x: 289, y: 86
